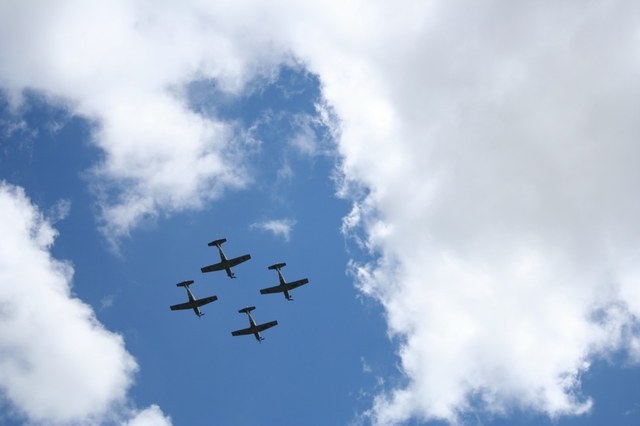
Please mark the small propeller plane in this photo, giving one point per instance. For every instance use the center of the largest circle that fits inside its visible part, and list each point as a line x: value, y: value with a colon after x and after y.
x: 253, y: 328
x: 283, y: 287
x: 192, y: 303
x: 224, y: 263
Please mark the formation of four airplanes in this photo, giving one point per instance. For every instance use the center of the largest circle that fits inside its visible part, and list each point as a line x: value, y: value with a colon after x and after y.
x: 226, y: 265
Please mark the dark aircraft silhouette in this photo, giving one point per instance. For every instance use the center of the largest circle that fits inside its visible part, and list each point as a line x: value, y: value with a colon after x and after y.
x: 253, y: 328
x: 283, y: 287
x: 224, y: 263
x: 192, y: 303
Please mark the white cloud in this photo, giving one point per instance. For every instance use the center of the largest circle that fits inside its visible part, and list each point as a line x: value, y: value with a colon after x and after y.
x: 496, y: 143
x: 285, y: 172
x: 59, y: 211
x: 279, y: 227
x: 58, y: 365
x: 123, y: 65
x: 151, y: 416
x: 366, y: 368
x: 501, y: 163
x: 304, y: 137
x: 106, y: 301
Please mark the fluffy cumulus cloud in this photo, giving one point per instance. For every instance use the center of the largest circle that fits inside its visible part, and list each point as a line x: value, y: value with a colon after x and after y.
x: 58, y: 364
x: 490, y: 149
x: 503, y: 202
x: 124, y: 66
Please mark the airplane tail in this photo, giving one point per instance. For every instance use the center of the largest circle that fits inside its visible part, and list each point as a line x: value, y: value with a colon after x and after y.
x: 217, y: 242
x: 185, y: 283
x: 246, y: 310
x: 277, y: 266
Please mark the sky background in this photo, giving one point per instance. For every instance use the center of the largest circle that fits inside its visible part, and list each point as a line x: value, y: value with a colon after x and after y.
x: 457, y: 181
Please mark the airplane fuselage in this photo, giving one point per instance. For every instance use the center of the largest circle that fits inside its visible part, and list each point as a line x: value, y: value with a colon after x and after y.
x: 229, y: 273
x: 254, y: 328
x: 192, y: 301
x: 283, y: 284
x: 225, y: 263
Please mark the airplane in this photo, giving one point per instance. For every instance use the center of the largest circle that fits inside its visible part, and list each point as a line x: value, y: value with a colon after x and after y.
x: 253, y: 328
x: 192, y: 303
x: 224, y: 263
x: 283, y: 287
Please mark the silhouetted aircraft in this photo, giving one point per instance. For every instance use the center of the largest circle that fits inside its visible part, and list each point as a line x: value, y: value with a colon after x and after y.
x: 192, y: 303
x: 283, y: 287
x: 224, y: 263
x: 253, y: 328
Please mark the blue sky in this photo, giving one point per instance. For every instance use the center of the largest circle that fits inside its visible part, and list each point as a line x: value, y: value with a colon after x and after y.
x: 196, y: 362
x: 458, y: 184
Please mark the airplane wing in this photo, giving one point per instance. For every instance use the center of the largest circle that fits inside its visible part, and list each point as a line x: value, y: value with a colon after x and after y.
x: 238, y: 260
x: 199, y: 302
x: 214, y: 267
x: 263, y: 327
x: 296, y: 284
x: 242, y: 332
x: 287, y: 286
x: 271, y: 290
x: 181, y: 306
x: 205, y: 300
